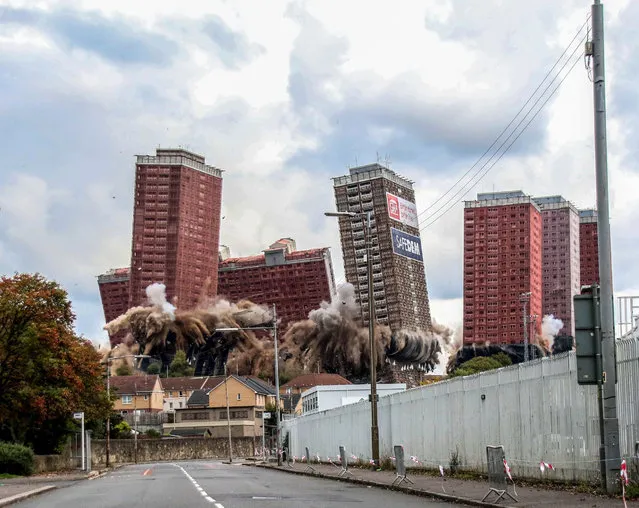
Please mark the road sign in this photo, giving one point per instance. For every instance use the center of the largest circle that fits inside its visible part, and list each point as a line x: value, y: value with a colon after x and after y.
x: 78, y: 416
x: 266, y: 416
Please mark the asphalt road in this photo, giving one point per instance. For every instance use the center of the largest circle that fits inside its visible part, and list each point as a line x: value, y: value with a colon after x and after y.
x: 217, y: 485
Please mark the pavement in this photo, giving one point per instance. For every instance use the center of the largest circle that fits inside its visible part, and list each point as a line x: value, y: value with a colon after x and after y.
x: 470, y: 492
x: 218, y: 485
x: 16, y: 489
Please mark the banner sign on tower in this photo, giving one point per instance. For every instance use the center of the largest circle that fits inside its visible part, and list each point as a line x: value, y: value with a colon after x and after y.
x: 402, y: 210
x: 407, y: 245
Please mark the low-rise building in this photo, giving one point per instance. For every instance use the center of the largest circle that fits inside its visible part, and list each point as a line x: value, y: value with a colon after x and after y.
x: 178, y: 390
x: 141, y: 394
x: 322, y: 398
x: 139, y: 401
x: 205, y: 412
x: 291, y: 392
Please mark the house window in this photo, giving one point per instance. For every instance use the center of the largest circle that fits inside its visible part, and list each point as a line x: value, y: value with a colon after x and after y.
x: 127, y: 399
x: 170, y: 405
x: 239, y: 396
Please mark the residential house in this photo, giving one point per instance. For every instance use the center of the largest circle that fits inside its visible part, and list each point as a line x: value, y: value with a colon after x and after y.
x: 140, y: 394
x: 139, y: 401
x: 206, y: 415
x: 178, y: 390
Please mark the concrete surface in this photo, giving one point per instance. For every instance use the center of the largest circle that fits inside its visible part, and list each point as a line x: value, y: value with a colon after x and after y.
x: 217, y: 485
x: 470, y: 491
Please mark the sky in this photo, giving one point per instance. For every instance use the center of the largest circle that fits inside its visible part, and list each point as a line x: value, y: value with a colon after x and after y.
x: 285, y: 95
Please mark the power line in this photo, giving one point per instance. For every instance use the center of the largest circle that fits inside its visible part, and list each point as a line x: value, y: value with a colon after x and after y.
x: 508, y: 147
x: 511, y: 121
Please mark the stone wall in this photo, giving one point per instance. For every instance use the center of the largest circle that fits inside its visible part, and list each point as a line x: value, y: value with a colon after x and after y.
x: 122, y: 451
x: 51, y: 463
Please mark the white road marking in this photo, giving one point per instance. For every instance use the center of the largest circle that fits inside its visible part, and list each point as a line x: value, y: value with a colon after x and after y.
x: 197, y: 486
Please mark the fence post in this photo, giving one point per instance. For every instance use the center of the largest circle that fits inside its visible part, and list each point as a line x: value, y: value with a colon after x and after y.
x: 88, y: 452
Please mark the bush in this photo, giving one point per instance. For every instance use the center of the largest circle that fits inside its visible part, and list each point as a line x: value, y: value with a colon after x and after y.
x: 16, y: 459
x: 153, y: 434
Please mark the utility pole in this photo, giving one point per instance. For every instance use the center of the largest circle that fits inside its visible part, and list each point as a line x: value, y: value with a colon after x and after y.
x: 524, y: 298
x: 371, y: 326
x: 228, y: 413
x: 277, y: 389
x: 611, y: 451
x: 371, y: 337
x: 108, y: 422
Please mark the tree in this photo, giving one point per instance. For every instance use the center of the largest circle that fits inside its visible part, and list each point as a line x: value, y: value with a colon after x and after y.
x: 124, y: 370
x: 179, y: 366
x: 46, y: 371
x: 154, y: 369
x: 481, y: 364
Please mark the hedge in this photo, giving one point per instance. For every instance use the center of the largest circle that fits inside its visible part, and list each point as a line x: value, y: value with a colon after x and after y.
x: 16, y: 459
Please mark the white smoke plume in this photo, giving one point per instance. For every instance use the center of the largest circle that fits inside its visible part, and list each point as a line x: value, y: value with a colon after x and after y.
x: 550, y: 327
x: 343, y: 306
x: 156, y: 293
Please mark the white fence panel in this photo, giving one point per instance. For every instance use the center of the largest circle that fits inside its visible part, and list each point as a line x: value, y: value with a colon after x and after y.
x: 536, y: 411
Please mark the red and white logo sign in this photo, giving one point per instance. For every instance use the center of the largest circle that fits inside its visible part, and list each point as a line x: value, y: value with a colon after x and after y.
x: 393, y: 207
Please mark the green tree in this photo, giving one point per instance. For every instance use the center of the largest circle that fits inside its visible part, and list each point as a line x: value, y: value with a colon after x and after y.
x: 122, y: 431
x: 179, y: 366
x: 503, y: 359
x: 124, y: 370
x: 46, y: 371
x: 481, y: 364
x: 154, y: 369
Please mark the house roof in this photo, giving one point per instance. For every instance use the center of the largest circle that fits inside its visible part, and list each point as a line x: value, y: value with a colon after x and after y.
x: 198, y: 398
x: 212, y: 382
x: 183, y: 383
x: 311, y: 380
x: 131, y: 385
x: 257, y: 385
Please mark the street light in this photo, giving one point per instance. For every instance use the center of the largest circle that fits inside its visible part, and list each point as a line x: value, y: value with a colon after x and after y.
x: 371, y: 326
x: 277, y: 377
x: 108, y: 425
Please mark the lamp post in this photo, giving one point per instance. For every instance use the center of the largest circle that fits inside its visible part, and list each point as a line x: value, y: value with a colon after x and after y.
x: 228, y: 412
x: 108, y: 424
x: 371, y: 326
x: 277, y: 374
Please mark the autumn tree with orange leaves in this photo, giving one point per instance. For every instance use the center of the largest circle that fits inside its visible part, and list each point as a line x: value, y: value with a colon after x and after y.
x: 46, y: 371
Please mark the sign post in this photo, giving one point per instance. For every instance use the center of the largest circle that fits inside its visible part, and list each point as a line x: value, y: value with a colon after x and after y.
x: 80, y: 416
x: 265, y: 416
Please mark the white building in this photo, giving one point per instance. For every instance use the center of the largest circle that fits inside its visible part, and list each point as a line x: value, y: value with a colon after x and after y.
x: 321, y: 398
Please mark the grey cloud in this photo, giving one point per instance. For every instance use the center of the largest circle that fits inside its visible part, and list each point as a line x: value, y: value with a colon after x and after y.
x: 623, y: 69
x: 115, y: 40
x: 424, y: 128
x: 234, y: 48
